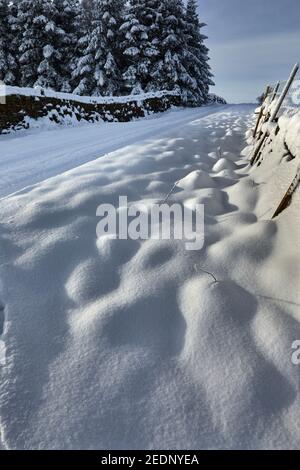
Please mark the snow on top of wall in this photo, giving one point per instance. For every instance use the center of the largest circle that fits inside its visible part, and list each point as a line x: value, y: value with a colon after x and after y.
x: 40, y: 92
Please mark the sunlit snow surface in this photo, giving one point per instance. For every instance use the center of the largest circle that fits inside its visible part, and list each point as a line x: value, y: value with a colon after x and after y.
x: 115, y: 344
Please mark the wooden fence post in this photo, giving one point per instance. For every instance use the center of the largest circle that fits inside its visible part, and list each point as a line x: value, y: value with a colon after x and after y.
x: 275, y: 112
x: 262, y: 108
x: 267, y: 92
x: 275, y: 92
x: 284, y: 92
x: 258, y: 120
x: 286, y: 200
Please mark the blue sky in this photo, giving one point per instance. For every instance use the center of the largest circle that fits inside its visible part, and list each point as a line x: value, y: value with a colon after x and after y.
x: 251, y: 43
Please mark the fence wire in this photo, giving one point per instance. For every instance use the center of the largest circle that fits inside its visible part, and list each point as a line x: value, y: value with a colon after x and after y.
x: 292, y: 99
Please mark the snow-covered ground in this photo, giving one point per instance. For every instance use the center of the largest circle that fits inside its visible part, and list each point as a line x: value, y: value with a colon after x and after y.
x: 28, y: 157
x: 131, y: 344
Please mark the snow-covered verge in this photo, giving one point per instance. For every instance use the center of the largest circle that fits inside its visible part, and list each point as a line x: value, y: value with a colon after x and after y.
x: 278, y: 163
x: 131, y: 344
x: 35, y: 107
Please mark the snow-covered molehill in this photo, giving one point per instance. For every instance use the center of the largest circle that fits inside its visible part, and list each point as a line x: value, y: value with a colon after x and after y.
x: 36, y: 107
x: 116, y: 344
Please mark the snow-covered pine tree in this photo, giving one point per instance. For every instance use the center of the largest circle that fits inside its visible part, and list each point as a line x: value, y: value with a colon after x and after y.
x: 196, y: 57
x: 82, y: 78
x: 66, y: 21
x: 47, y: 42
x: 108, y: 56
x: 87, y: 65
x: 140, y: 44
x: 87, y: 12
x: 15, y: 39
x: 170, y: 72
x: 49, y: 72
x: 35, y: 20
x: 8, y: 64
x: 99, y: 67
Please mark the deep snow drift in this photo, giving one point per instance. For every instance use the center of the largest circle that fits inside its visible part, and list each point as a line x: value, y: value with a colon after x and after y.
x: 129, y: 344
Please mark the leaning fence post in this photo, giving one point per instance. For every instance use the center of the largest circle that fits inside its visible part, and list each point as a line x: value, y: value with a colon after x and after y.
x: 275, y: 92
x: 284, y: 92
x: 262, y: 108
x: 269, y: 88
x: 286, y: 200
x: 258, y: 120
x: 276, y: 110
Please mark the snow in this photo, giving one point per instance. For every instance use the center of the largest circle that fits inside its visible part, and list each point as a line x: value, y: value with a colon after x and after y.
x: 39, y: 91
x: 117, y: 344
x: 279, y: 164
x: 29, y: 157
x: 196, y: 180
x: 48, y: 51
x: 223, y: 164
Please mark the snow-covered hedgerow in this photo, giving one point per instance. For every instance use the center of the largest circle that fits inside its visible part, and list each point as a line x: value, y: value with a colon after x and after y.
x: 36, y: 107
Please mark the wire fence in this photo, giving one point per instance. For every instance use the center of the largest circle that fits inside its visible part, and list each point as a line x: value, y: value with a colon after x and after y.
x: 277, y: 98
x: 282, y: 96
x: 292, y: 99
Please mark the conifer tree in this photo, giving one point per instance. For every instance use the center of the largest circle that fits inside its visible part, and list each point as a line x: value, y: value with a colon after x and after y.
x: 108, y: 56
x: 99, y: 67
x: 36, y: 51
x: 140, y: 44
x: 196, y: 60
x: 170, y: 72
x: 8, y: 63
x: 105, y: 47
x: 66, y: 20
x: 82, y: 78
x: 15, y: 39
x: 47, y: 42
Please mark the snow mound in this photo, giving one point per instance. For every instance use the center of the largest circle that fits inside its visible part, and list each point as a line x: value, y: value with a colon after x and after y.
x: 195, y: 180
x: 229, y: 173
x: 224, y: 164
x: 214, y: 200
x: 213, y: 155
